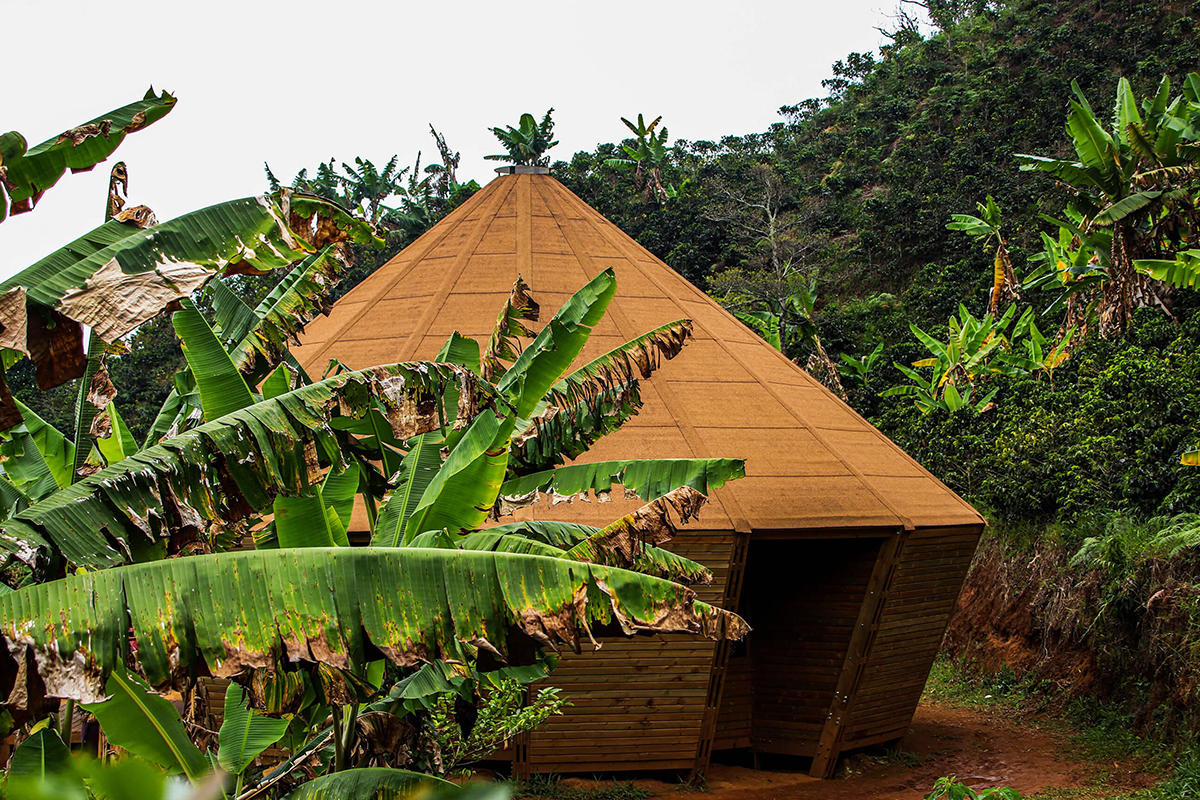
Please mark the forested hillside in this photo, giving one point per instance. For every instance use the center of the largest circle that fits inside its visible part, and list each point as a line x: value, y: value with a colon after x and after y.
x: 861, y: 186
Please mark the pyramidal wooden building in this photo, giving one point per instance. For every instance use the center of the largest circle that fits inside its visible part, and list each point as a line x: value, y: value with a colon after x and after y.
x: 844, y: 554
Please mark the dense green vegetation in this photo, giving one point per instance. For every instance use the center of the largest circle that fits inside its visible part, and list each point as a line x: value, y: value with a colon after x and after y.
x: 863, y: 184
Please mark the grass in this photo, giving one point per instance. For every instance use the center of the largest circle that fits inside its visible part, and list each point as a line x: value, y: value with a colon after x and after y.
x: 899, y: 757
x: 551, y: 787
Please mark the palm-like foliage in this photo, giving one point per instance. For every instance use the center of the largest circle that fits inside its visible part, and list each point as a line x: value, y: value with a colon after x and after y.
x: 647, y: 157
x: 1137, y: 181
x: 986, y: 227
x: 464, y: 592
x: 959, y: 367
x: 248, y: 441
x: 527, y: 143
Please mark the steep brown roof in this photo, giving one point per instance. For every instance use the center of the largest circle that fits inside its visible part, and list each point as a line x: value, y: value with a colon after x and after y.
x: 811, y: 461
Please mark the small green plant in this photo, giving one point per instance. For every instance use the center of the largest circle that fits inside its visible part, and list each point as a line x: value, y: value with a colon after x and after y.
x: 950, y: 789
x: 858, y: 370
x: 899, y: 757
x: 502, y: 716
x: 977, y: 348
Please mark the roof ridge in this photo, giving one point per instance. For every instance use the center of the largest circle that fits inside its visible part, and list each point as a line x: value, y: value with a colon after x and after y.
x: 733, y: 508
x: 447, y: 225
x: 409, y: 348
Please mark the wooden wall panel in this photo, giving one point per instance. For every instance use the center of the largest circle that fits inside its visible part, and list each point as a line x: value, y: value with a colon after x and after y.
x: 734, y: 719
x: 638, y: 704
x: 933, y: 565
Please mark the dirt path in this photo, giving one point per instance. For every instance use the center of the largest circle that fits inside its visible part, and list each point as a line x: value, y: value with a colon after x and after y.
x: 981, y: 748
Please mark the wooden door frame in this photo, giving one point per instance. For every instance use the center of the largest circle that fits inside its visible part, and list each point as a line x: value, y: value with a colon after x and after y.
x: 858, y: 654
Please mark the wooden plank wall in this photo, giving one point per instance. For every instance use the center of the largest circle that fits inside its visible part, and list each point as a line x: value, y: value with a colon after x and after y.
x: 802, y: 598
x: 734, y: 721
x: 638, y: 703
x: 933, y: 566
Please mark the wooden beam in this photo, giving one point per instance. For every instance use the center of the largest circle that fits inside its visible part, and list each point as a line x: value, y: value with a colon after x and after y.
x: 857, y: 654
x: 720, y: 663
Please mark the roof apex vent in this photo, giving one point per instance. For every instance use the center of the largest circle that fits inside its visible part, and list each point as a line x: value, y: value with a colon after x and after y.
x: 522, y: 169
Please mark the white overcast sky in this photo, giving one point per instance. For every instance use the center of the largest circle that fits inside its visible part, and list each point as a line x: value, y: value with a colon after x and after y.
x: 294, y: 83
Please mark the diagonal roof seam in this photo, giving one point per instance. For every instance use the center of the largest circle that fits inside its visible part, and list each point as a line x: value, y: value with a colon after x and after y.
x: 420, y: 248
x: 730, y: 502
x: 620, y: 245
x: 866, y: 426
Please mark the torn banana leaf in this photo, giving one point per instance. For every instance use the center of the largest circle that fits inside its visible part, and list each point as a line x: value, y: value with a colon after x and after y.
x: 225, y: 613
x: 230, y: 469
x: 625, y: 542
x: 649, y: 479
x: 503, y: 345
x: 555, y: 435
x: 606, y: 547
x: 27, y: 172
x: 639, y: 357
x: 122, y: 275
x: 277, y: 322
x: 555, y: 348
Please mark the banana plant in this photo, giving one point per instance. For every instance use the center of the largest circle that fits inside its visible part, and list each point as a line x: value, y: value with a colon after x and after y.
x: 1042, y: 354
x: 859, y: 369
x: 194, y: 495
x: 125, y: 272
x: 527, y: 143
x: 986, y: 227
x: 976, y: 348
x: 1137, y: 180
x: 1075, y: 264
x: 555, y: 410
x: 646, y: 157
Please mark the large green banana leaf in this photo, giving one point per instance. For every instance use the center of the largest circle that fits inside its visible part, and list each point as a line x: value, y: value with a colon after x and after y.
x: 222, y: 388
x: 644, y: 558
x: 256, y: 339
x: 121, y: 275
x: 640, y: 356
x: 594, y: 400
x: 41, y: 755
x: 37, y: 458
x: 461, y: 494
x: 262, y: 609
x: 231, y: 468
x: 649, y: 479
x: 555, y: 348
x: 144, y: 723
x: 29, y: 171
x: 260, y: 343
x: 417, y: 470
x: 244, y: 734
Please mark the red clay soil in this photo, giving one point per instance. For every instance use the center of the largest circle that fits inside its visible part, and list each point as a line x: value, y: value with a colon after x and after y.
x: 982, y: 749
